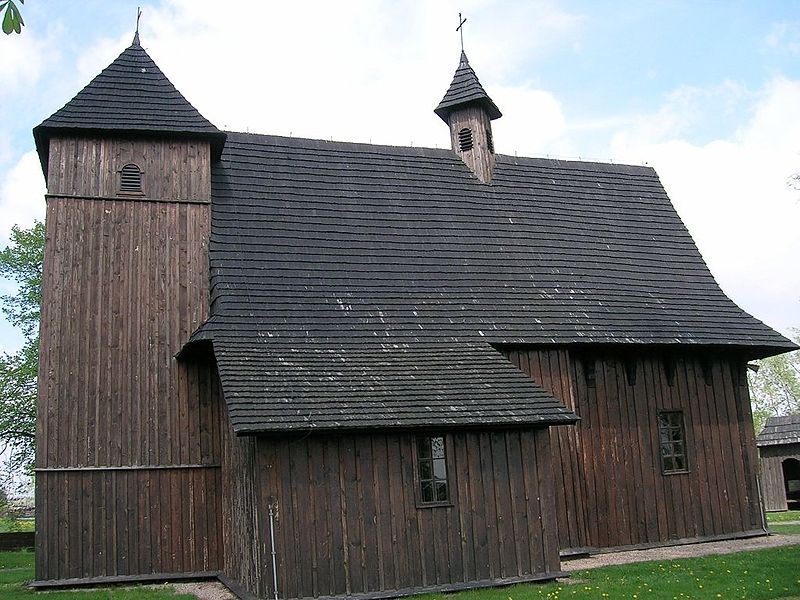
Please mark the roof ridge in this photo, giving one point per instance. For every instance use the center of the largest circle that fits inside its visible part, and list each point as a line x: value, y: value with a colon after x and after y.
x: 508, y: 160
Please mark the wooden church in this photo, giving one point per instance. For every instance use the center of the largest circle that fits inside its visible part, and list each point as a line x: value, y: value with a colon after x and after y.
x: 326, y: 369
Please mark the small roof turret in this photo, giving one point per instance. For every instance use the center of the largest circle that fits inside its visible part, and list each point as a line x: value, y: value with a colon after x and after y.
x: 131, y: 96
x: 466, y: 90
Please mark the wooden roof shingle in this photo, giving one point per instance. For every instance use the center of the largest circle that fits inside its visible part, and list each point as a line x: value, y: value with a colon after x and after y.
x: 131, y: 96
x: 343, y: 275
x: 465, y: 89
x: 780, y: 430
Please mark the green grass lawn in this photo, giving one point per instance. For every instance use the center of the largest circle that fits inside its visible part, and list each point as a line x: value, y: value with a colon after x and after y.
x: 758, y: 575
x: 786, y: 515
x: 785, y: 529
x: 7, y: 525
x: 16, y: 569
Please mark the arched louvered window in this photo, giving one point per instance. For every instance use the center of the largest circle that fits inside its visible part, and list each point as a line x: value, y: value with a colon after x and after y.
x: 130, y: 179
x: 489, y: 140
x: 465, y: 139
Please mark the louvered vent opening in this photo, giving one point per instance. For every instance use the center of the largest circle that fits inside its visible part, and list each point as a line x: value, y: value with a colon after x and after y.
x: 130, y: 180
x: 465, y: 139
x: 489, y: 140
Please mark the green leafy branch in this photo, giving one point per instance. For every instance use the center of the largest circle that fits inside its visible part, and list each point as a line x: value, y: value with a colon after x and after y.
x: 12, y: 19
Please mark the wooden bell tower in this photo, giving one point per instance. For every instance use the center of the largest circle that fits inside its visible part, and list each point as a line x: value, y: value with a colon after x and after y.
x: 469, y: 112
x: 128, y: 450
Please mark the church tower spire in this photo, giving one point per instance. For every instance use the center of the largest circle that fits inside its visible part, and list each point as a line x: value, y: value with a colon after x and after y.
x: 469, y: 112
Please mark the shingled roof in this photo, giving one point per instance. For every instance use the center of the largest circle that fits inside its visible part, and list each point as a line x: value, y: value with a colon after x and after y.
x: 464, y: 90
x: 386, y: 386
x: 351, y: 281
x: 780, y: 430
x: 132, y: 96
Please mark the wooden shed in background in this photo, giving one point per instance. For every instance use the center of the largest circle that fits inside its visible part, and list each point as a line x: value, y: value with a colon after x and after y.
x: 779, y: 449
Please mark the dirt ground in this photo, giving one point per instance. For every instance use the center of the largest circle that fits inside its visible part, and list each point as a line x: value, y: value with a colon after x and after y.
x: 208, y: 590
x: 205, y: 590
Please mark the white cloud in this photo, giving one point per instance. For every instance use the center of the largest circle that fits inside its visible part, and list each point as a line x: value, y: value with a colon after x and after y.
x: 533, y: 119
x: 21, y: 195
x: 97, y: 57
x: 374, y: 71
x: 784, y: 37
x: 25, y: 58
x: 733, y: 196
x: 358, y: 71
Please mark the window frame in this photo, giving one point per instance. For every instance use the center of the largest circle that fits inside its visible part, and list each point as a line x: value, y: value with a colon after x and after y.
x: 670, y: 429
x: 420, y: 502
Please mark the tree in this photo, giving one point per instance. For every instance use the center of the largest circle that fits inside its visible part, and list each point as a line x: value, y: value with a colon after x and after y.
x: 775, y: 387
x: 21, y: 262
x: 12, y: 19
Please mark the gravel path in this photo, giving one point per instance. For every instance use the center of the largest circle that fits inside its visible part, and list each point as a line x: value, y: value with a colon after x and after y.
x: 205, y: 590
x: 683, y: 551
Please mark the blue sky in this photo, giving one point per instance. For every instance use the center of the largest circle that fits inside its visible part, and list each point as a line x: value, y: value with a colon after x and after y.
x: 706, y: 92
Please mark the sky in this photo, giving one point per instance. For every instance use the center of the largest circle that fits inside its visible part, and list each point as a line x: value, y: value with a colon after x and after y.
x: 706, y: 92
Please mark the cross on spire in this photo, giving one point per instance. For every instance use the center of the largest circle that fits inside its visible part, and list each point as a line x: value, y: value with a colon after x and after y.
x: 136, y: 35
x: 460, y: 29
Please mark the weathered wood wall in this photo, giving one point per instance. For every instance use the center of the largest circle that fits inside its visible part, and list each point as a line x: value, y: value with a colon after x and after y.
x: 551, y: 369
x: 348, y: 523
x: 773, y: 486
x: 16, y: 540
x: 244, y: 521
x: 97, y: 523
x: 618, y: 484
x: 122, y: 425
x: 171, y: 170
x: 480, y: 159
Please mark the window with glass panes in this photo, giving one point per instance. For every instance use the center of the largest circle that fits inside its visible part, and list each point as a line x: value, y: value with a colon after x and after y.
x: 432, y: 465
x: 672, y: 437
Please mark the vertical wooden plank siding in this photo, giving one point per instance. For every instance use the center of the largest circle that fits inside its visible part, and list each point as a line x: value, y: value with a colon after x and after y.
x: 615, y: 491
x: 100, y: 533
x: 242, y: 515
x: 479, y: 158
x: 176, y: 171
x: 773, y: 487
x: 128, y: 447
x: 552, y: 370
x: 361, y: 500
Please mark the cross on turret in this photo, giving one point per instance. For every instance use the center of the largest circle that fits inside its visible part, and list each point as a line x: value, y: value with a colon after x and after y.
x: 468, y: 111
x: 460, y: 29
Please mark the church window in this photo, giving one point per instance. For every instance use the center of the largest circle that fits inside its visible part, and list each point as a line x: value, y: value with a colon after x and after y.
x: 465, y: 139
x: 672, y: 437
x: 489, y: 140
x: 130, y: 179
x: 432, y: 470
